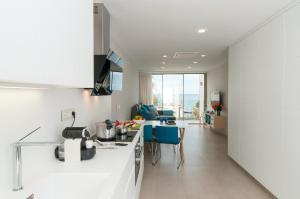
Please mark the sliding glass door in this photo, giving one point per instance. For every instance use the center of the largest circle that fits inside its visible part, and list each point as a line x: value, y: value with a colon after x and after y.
x: 181, y: 93
x: 173, y: 93
x: 193, y: 95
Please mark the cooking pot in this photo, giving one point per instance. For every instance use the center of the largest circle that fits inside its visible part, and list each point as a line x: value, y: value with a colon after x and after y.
x: 105, y: 130
x: 121, y: 130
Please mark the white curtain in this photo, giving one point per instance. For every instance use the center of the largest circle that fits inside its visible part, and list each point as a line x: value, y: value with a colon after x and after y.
x: 145, y: 88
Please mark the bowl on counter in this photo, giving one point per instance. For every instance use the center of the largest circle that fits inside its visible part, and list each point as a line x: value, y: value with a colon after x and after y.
x: 139, y: 121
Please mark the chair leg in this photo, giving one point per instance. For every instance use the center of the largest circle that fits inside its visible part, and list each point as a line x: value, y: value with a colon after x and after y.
x: 149, y: 147
x: 155, y: 159
x: 153, y: 153
x: 176, y: 153
x: 181, y: 156
x: 159, y: 151
x: 181, y: 152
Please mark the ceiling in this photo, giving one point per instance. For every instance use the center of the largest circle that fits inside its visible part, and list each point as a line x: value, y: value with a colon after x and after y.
x: 145, y: 30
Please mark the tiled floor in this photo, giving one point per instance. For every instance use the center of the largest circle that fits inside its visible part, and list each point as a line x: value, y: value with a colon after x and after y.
x: 206, y: 174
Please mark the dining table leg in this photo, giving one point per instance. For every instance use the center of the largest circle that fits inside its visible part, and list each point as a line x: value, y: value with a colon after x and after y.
x: 182, y: 131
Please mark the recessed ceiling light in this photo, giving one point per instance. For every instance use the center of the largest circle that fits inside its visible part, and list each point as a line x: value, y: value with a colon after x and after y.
x: 165, y: 56
x: 163, y: 63
x: 189, y: 67
x: 202, y: 30
x: 162, y: 67
x: 203, y: 55
x: 195, y: 62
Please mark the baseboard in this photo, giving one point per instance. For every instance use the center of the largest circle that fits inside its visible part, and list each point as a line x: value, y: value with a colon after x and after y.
x: 252, y: 178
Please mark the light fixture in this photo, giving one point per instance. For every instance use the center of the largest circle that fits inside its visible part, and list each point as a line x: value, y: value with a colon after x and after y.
x: 189, y: 67
x: 202, y: 30
x: 163, y: 63
x: 22, y: 87
x: 165, y: 56
x: 203, y: 55
x: 162, y: 67
x: 195, y: 62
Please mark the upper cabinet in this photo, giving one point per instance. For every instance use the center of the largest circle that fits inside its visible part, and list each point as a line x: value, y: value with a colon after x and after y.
x: 47, y: 42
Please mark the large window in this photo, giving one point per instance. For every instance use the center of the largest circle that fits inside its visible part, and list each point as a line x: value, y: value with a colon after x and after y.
x: 173, y: 93
x: 157, y: 94
x: 182, y: 93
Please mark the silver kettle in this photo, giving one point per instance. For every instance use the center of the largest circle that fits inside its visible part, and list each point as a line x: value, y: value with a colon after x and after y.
x: 105, y: 130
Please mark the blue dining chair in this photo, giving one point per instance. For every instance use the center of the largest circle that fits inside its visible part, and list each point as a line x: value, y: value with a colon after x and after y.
x: 149, y: 138
x: 167, y: 135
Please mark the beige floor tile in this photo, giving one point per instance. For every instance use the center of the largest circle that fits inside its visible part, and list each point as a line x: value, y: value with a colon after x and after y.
x: 207, y: 173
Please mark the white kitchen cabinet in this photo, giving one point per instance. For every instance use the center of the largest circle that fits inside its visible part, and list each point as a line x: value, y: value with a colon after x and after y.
x: 291, y: 108
x: 127, y: 187
x: 47, y: 42
x: 264, y: 89
x: 130, y: 185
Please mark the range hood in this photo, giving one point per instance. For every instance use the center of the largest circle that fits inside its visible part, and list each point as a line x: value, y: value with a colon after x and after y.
x: 106, y: 61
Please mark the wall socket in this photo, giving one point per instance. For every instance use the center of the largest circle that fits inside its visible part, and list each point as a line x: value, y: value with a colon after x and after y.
x: 66, y: 114
x: 118, y: 107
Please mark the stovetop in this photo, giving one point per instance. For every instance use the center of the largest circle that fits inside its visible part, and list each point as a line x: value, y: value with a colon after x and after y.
x: 121, y: 138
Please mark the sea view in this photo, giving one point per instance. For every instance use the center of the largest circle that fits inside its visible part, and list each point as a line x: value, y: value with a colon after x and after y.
x: 190, y: 101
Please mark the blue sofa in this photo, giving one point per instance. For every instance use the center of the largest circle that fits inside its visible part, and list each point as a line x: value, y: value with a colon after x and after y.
x: 149, y: 112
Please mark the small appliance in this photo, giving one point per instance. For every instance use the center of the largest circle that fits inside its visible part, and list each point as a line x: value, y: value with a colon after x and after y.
x: 105, y: 131
x: 82, y: 133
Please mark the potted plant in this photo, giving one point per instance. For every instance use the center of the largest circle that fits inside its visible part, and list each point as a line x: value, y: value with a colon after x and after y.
x: 218, y: 108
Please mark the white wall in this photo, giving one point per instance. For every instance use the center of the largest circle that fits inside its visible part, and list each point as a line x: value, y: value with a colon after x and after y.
x: 122, y: 101
x: 264, y: 89
x: 217, y: 80
x: 22, y: 110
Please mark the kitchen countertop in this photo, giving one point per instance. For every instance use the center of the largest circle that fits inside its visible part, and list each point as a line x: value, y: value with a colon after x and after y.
x: 106, y: 161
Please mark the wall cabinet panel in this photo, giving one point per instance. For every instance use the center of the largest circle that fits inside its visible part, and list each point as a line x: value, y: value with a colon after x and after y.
x: 291, y: 108
x: 264, y: 89
x: 47, y: 42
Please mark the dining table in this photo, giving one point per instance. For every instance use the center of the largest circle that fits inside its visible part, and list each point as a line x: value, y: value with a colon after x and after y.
x: 181, y: 124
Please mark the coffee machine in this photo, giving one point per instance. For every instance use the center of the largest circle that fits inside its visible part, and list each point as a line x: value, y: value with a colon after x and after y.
x: 76, y: 133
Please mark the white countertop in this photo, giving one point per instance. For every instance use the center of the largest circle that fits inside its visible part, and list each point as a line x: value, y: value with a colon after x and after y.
x: 178, y: 123
x: 106, y: 161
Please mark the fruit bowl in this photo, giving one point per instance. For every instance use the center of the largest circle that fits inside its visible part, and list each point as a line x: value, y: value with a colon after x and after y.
x: 139, y: 121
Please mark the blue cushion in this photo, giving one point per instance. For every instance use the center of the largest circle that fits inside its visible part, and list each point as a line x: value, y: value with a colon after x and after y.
x: 148, y: 135
x: 167, y: 135
x: 144, y: 111
x: 153, y: 111
x: 149, y: 112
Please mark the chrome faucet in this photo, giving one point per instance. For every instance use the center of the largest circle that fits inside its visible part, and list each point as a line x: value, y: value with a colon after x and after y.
x: 17, y: 158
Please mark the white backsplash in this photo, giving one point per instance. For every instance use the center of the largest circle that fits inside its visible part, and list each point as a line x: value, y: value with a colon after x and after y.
x: 22, y: 110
